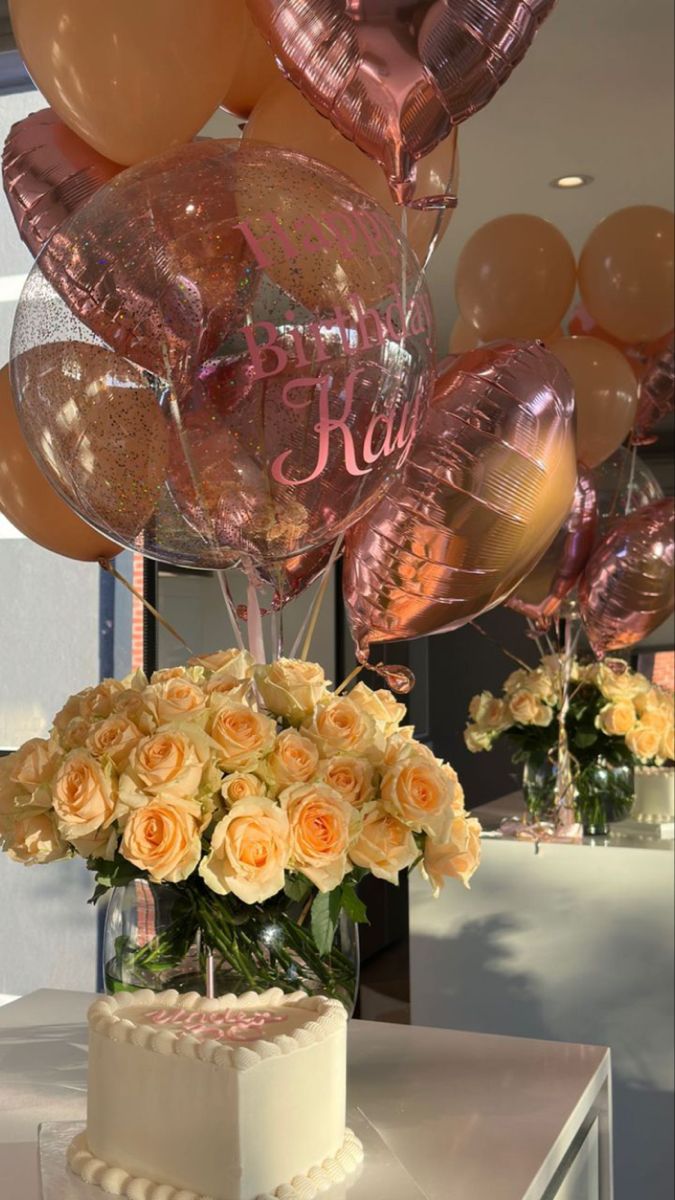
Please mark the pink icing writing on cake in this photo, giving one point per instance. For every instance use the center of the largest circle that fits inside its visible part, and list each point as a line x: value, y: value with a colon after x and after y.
x: 228, y: 1025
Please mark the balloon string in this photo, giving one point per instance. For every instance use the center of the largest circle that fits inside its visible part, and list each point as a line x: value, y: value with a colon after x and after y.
x: 534, y: 634
x: 256, y: 637
x: 631, y: 479
x: 230, y: 608
x: 106, y: 565
x: 315, y: 609
x: 440, y: 216
x: 485, y: 634
x: 352, y: 675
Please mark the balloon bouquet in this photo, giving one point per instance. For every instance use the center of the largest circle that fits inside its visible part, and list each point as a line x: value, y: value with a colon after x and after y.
x: 224, y: 354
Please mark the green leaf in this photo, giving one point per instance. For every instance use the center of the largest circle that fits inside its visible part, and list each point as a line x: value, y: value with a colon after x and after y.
x: 325, y: 917
x: 354, y: 906
x: 110, y: 874
x: 583, y: 738
x: 297, y: 887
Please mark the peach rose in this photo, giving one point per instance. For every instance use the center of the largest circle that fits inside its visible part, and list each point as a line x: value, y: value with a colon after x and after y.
x: 35, y: 838
x: 616, y: 681
x: 238, y: 664
x: 224, y: 687
x: 75, y: 734
x: 656, y: 718
x: 616, y: 720
x: 643, y: 742
x: 477, y: 739
x: 175, y: 699
x: 456, y: 858
x: 516, y: 681
x: 33, y: 763
x: 242, y: 735
x: 249, y: 853
x: 290, y: 688
x: 12, y: 795
x: 171, y: 762
x: 102, y: 843
x: 82, y: 795
x: 98, y: 701
x: 321, y: 829
x: 667, y: 747
x: 71, y: 709
x: 384, y: 845
x: 543, y: 715
x: 352, y: 777
x: 386, y: 711
x: 241, y: 785
x: 544, y: 686
x: 163, y: 840
x: 114, y: 738
x: 399, y: 745
x: 496, y: 716
x: 294, y: 759
x: 654, y: 699
x: 340, y: 725
x: 418, y: 793
x: 524, y: 706
x: 131, y: 704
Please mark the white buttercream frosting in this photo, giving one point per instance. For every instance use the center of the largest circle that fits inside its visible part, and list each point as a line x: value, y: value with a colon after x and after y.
x: 654, y: 795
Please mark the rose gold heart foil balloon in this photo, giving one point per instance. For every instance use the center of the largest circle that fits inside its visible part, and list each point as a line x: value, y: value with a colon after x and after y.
x: 263, y: 295
x: 540, y: 595
x: 656, y: 397
x: 48, y: 173
x: 489, y: 483
x: 395, y: 77
x: 628, y: 587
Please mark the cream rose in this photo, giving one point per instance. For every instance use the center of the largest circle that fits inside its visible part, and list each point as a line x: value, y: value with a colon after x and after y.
x: 524, y: 706
x: 75, y: 734
x: 340, y: 725
x: 643, y: 742
x: 290, y: 688
x: 242, y: 735
x: 249, y: 853
x: 458, y: 857
x: 496, y: 716
x: 386, y: 711
x: 35, y: 838
x: 33, y: 763
x: 171, y: 762
x: 163, y: 840
x: 321, y: 829
x: 238, y: 664
x: 616, y: 681
x: 71, y: 709
x: 543, y: 715
x: 114, y: 738
x: 667, y: 747
x: 352, y: 777
x: 399, y: 745
x: 82, y: 795
x: 656, y: 718
x: 241, y: 785
x: 616, y: 720
x: 131, y: 704
x: 418, y: 793
x: 100, y: 844
x: 175, y: 699
x: 477, y: 739
x: 542, y: 685
x: 98, y: 702
x: 516, y: 681
x: 653, y: 699
x: 294, y: 759
x: 384, y: 845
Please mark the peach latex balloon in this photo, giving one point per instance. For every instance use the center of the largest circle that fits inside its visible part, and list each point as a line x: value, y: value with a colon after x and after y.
x: 626, y: 273
x: 132, y: 79
x: 256, y: 69
x: 463, y: 337
x: 31, y: 504
x: 606, y: 395
x: 515, y: 278
x: 283, y: 117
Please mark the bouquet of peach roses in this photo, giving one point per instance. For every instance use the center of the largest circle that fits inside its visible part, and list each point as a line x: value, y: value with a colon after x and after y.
x: 252, y: 794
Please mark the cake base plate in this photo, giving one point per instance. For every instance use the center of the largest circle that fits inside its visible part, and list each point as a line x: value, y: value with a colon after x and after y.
x: 382, y: 1173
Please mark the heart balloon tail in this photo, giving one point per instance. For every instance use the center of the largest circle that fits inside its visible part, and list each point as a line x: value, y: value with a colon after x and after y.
x: 106, y: 565
x: 230, y: 607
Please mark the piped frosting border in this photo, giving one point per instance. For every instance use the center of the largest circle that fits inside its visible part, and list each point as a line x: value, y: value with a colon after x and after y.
x: 106, y: 1017
x: 118, y: 1182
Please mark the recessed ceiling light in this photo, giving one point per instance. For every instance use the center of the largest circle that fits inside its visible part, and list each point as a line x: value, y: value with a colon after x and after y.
x: 571, y: 181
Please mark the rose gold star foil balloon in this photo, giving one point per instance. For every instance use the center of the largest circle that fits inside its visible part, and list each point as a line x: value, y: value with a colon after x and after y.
x: 281, y: 326
x: 656, y: 397
x: 540, y: 595
x: 489, y: 483
x: 395, y: 77
x: 48, y: 173
x: 628, y: 587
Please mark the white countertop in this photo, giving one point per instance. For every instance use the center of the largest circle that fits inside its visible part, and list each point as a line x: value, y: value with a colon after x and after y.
x: 470, y: 1117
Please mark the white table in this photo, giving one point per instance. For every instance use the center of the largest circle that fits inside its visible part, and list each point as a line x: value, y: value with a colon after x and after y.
x: 471, y: 1117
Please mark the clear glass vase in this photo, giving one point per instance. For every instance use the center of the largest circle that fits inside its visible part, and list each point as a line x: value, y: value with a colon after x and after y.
x: 540, y: 775
x: 159, y: 936
x: 604, y: 794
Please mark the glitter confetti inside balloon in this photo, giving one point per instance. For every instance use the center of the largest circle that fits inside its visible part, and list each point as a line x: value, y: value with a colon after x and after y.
x: 281, y: 326
x: 628, y: 587
x: 489, y: 483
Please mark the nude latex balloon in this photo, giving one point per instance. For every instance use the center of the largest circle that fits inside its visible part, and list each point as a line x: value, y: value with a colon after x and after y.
x: 515, y: 278
x: 542, y: 592
x: 628, y: 587
x: 605, y: 391
x: 626, y: 273
x: 31, y: 504
x: 97, y: 430
x: 284, y: 118
x: 463, y: 337
x: 490, y: 481
x: 255, y: 69
x: 130, y: 78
